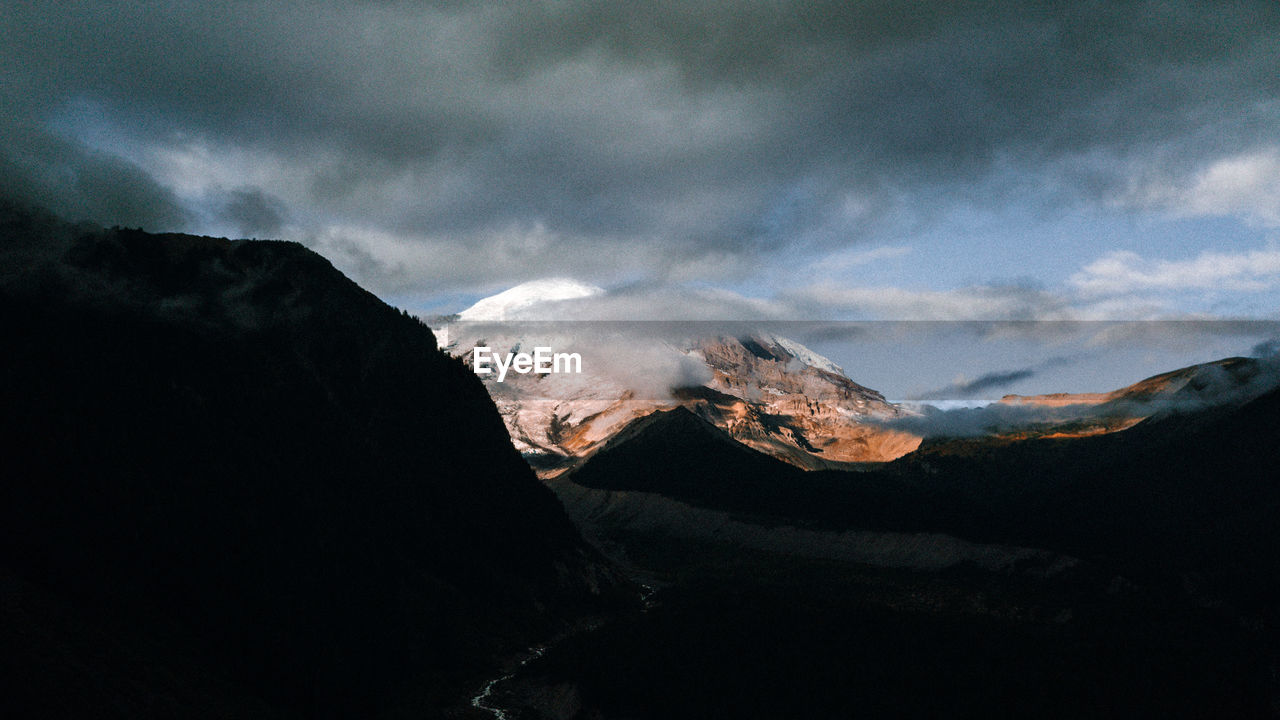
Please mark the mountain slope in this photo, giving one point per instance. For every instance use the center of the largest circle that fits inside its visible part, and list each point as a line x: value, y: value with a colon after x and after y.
x: 1189, y: 491
x: 769, y: 393
x: 677, y: 453
x: 781, y: 398
x: 1221, y: 382
x: 231, y: 447
x: 1118, y: 575
x: 1211, y: 382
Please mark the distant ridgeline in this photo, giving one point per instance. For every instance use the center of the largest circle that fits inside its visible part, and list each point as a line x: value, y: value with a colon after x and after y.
x: 237, y: 483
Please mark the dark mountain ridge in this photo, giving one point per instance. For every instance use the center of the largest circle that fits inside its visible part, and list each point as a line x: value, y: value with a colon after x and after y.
x: 638, y: 457
x: 1158, y: 596
x: 232, y: 446
x: 1186, y: 491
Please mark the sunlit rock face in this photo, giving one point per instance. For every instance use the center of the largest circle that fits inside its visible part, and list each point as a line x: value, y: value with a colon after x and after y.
x: 1187, y: 389
x: 779, y: 397
x: 769, y: 393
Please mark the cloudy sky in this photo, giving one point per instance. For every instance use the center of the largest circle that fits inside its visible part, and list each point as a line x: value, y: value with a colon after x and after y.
x: 843, y: 160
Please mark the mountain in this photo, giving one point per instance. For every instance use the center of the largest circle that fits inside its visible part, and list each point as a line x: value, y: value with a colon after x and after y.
x: 1188, y: 491
x: 1050, y: 565
x: 1221, y: 382
x: 1115, y: 575
x: 677, y: 453
x: 770, y: 393
x: 236, y: 483
x: 779, y: 397
x: 1204, y: 384
x: 754, y: 387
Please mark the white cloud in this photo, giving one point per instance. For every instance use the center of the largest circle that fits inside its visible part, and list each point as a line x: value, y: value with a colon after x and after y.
x: 1126, y: 272
x: 856, y: 257
x: 1245, y: 185
x: 831, y: 301
x: 825, y: 301
x: 662, y: 303
x: 1103, y: 292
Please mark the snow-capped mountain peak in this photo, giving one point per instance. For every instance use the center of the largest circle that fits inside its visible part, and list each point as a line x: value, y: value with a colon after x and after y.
x: 768, y: 392
x: 518, y: 302
x: 804, y: 354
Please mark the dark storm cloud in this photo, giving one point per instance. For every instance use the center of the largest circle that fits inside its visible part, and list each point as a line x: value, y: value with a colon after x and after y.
x: 985, y: 385
x: 254, y: 212
x: 82, y: 184
x: 703, y: 132
x: 975, y: 388
x: 1267, y: 349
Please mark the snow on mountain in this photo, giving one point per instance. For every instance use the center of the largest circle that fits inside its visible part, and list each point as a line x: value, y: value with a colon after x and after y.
x: 515, y: 304
x: 805, y: 355
x: 781, y: 398
x: 768, y: 392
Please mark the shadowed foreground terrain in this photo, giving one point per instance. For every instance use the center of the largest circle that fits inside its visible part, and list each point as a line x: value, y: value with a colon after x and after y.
x: 1135, y: 574
x: 236, y: 483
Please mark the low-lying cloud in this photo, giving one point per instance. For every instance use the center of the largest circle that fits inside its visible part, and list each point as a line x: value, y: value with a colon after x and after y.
x: 978, y: 387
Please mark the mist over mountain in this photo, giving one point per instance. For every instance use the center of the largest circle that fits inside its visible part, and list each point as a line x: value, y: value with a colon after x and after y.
x: 231, y: 462
x: 1226, y: 382
x: 1167, y: 472
x: 771, y: 393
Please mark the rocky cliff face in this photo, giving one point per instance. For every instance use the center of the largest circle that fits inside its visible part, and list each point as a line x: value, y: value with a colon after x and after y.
x: 778, y: 397
x: 767, y: 392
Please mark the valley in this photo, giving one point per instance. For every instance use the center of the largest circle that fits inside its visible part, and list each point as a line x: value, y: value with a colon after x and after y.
x: 1117, y: 559
x: 285, y: 496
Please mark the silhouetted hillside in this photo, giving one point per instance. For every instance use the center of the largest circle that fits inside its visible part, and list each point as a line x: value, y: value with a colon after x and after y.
x: 1181, y: 492
x: 260, y: 472
x: 1193, y: 492
x: 1160, y: 601
x: 677, y: 453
